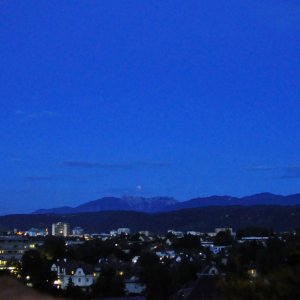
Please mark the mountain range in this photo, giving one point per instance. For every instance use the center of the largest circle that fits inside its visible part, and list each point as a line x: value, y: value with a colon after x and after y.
x: 167, y: 204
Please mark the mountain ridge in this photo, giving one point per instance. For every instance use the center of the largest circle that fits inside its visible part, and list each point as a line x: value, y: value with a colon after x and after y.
x: 166, y: 204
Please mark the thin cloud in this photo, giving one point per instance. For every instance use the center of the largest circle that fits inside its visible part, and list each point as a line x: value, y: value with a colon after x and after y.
x: 262, y: 168
x: 291, y: 173
x: 287, y: 172
x: 65, y: 177
x: 41, y: 178
x: 114, y: 166
x: 138, y: 190
x: 37, y: 115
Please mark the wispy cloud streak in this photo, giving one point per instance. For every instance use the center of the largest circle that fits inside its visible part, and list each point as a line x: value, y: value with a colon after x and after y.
x: 262, y: 168
x: 37, y: 115
x: 41, y: 178
x: 114, y: 166
x: 287, y: 172
x: 138, y: 190
x: 291, y: 173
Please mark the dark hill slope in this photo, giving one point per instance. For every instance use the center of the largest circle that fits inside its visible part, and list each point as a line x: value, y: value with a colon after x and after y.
x: 201, y: 219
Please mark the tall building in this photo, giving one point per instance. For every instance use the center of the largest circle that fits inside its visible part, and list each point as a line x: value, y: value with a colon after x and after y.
x: 61, y: 229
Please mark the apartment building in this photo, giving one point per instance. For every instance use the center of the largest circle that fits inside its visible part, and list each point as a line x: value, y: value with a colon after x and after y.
x: 61, y: 229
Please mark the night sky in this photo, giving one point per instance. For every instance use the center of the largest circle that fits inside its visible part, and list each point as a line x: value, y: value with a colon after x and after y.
x: 177, y: 98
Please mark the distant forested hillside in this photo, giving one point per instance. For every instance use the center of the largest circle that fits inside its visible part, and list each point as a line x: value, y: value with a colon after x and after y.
x: 203, y: 219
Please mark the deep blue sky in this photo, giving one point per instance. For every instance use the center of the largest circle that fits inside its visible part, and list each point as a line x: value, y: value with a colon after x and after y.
x: 179, y: 98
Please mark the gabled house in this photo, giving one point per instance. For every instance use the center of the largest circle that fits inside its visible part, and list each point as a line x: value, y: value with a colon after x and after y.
x: 80, y: 273
x: 209, y: 270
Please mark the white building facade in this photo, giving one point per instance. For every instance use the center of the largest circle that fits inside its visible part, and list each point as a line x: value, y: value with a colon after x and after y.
x: 81, y: 275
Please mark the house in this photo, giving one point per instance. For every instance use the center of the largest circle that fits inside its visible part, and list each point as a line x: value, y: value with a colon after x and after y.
x: 125, y: 231
x: 134, y: 286
x: 144, y: 232
x: 210, y: 270
x: 113, y: 233
x: 72, y: 242
x: 258, y: 239
x: 194, y: 233
x: 104, y: 236
x: 217, y: 249
x: 178, y: 234
x: 135, y: 259
x: 81, y: 274
x: 167, y: 254
x: 169, y: 242
x: 145, y: 239
x: 207, y: 244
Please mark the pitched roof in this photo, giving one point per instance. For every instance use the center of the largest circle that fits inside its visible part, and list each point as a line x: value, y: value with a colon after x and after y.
x: 73, y: 265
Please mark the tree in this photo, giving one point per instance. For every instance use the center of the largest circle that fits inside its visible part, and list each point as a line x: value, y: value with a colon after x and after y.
x: 148, y: 259
x: 135, y: 250
x: 36, y: 267
x: 189, y: 242
x: 70, y: 283
x: 54, y: 248
x: 253, y: 231
x: 73, y: 291
x: 109, y: 284
x: 158, y: 279
x: 223, y: 238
